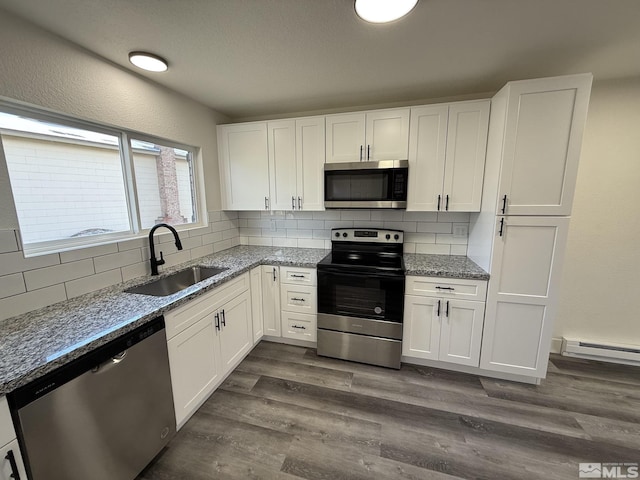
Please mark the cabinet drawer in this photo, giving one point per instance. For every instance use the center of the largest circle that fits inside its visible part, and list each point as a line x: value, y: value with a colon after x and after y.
x: 7, y: 433
x: 298, y: 276
x: 5, y: 466
x: 298, y: 298
x: 183, y: 317
x: 299, y: 326
x: 462, y: 289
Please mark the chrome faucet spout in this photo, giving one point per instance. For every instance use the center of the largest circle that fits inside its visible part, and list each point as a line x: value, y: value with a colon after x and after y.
x: 153, y: 260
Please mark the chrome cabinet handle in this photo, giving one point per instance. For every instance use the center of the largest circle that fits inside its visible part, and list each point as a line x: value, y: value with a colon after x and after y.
x: 12, y: 463
x: 299, y: 203
x: 266, y: 203
x: 293, y: 203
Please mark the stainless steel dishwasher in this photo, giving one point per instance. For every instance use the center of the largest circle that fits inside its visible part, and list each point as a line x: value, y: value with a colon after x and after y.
x: 104, y: 416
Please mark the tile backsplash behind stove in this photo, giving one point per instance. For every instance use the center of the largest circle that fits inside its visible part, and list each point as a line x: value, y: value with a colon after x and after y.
x: 443, y: 233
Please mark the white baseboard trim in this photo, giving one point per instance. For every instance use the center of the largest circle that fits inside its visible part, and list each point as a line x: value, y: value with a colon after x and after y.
x: 556, y: 345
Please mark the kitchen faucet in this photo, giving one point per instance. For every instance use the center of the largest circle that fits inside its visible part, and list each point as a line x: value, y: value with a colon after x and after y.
x: 154, y: 261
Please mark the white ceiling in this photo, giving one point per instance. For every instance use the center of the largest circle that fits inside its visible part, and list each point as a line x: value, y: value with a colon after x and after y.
x: 258, y: 57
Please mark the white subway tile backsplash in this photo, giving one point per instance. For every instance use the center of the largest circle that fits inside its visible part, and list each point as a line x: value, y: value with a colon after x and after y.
x: 81, y: 254
x: 409, y: 247
x: 200, y: 231
x: 224, y: 244
x: 338, y: 224
x: 15, y: 262
x: 386, y: 215
x: 310, y: 243
x: 211, y: 238
x: 214, y: 217
x: 176, y: 258
x: 326, y: 215
x: 259, y: 223
x: 310, y: 224
x: 78, y: 287
x: 459, y: 250
x: 420, y: 216
x: 433, y: 248
x: 201, y: 251
x: 25, y: 302
x: 251, y: 232
x: 121, y: 259
x: 450, y: 239
x: 434, y: 227
x: 285, y: 242
x: 299, y: 233
x: 45, y: 277
x: 420, y: 237
x: 453, y: 217
x: 12, y: 285
x: 274, y: 233
x: 406, y: 226
x: 233, y: 233
x: 355, y: 215
x: 8, y: 241
x: 142, y: 242
x: 136, y: 270
x: 323, y: 234
x: 261, y: 241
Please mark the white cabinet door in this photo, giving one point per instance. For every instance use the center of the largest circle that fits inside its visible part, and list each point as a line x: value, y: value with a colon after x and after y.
x: 271, y: 300
x: 387, y: 135
x: 427, y: 147
x: 421, y: 331
x: 244, y: 166
x: 6, y: 472
x: 467, y: 130
x: 523, y: 293
x: 345, y: 137
x: 310, y: 153
x: 235, y: 334
x: 256, y: 304
x: 282, y: 164
x: 461, y: 332
x: 195, y: 366
x: 542, y: 139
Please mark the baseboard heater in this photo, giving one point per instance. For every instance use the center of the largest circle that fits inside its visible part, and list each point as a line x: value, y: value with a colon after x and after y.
x: 604, y: 352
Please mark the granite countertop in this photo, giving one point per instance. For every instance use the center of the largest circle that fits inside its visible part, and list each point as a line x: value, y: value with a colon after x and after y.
x: 38, y: 342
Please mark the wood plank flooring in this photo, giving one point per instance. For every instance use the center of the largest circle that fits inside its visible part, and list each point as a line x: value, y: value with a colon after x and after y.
x: 286, y: 413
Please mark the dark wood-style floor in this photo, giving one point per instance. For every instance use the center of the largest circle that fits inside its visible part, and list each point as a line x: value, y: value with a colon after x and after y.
x: 286, y: 413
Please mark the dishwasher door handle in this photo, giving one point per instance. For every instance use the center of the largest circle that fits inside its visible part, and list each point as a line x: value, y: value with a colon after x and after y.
x: 109, y: 364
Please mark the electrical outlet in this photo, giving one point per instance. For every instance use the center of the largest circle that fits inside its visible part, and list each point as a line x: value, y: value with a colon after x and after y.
x: 460, y: 230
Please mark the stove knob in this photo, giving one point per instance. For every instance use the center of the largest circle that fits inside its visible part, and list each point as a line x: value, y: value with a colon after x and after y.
x: 387, y: 236
x: 337, y: 234
x: 344, y: 234
x: 396, y: 236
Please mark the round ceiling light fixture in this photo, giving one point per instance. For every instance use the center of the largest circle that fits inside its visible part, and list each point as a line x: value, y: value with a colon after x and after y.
x: 148, y: 61
x: 383, y: 11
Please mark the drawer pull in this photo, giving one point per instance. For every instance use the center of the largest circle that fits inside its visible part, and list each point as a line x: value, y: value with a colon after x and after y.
x: 451, y: 289
x: 14, y: 467
x: 295, y: 299
x: 295, y: 275
x: 299, y: 327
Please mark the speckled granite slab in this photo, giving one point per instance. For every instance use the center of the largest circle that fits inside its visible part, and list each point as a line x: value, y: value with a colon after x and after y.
x: 38, y: 342
x: 451, y: 266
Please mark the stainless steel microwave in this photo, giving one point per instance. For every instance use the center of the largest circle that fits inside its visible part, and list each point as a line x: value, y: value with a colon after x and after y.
x: 366, y: 184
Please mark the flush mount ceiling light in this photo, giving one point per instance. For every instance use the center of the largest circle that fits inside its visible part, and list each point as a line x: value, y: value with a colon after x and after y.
x: 383, y: 11
x: 148, y: 61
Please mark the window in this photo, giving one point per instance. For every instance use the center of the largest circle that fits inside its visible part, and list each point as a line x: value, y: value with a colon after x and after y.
x: 76, y: 184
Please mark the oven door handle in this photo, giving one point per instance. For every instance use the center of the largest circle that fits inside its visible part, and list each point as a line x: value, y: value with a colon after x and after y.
x: 379, y: 274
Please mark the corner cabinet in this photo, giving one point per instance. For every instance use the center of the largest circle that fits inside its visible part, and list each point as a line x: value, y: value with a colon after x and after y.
x: 206, y: 339
x: 243, y: 155
x: 447, y: 150
x: 543, y: 121
x: 443, y: 319
x: 11, y: 464
x: 367, y: 136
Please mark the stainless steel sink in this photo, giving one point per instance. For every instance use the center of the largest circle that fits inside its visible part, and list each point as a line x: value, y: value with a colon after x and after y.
x: 176, y: 282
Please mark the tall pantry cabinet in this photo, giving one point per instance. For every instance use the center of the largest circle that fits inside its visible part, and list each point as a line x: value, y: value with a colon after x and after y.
x: 519, y: 236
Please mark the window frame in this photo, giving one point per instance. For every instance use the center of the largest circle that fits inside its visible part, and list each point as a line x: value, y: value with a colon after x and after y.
x: 129, y: 181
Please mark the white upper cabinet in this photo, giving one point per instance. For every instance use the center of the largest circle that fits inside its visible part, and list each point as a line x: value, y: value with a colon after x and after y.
x: 310, y: 151
x: 244, y: 166
x: 367, y: 136
x: 447, y: 151
x: 282, y: 164
x: 545, y: 120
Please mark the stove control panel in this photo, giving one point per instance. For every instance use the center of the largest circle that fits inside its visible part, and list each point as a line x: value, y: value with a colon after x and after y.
x: 368, y: 235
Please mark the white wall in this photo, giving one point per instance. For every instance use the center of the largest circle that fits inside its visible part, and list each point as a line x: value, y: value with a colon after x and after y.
x: 44, y: 70
x: 601, y: 278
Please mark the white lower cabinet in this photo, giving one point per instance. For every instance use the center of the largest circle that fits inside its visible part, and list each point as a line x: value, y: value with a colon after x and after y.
x: 443, y: 327
x: 256, y: 303
x: 271, y: 300
x: 11, y: 465
x: 214, y: 333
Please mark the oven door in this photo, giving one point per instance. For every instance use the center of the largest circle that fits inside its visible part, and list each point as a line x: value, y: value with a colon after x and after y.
x: 376, y: 296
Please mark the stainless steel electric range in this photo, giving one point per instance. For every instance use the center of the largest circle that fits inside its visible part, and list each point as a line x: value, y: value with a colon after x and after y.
x: 361, y: 296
